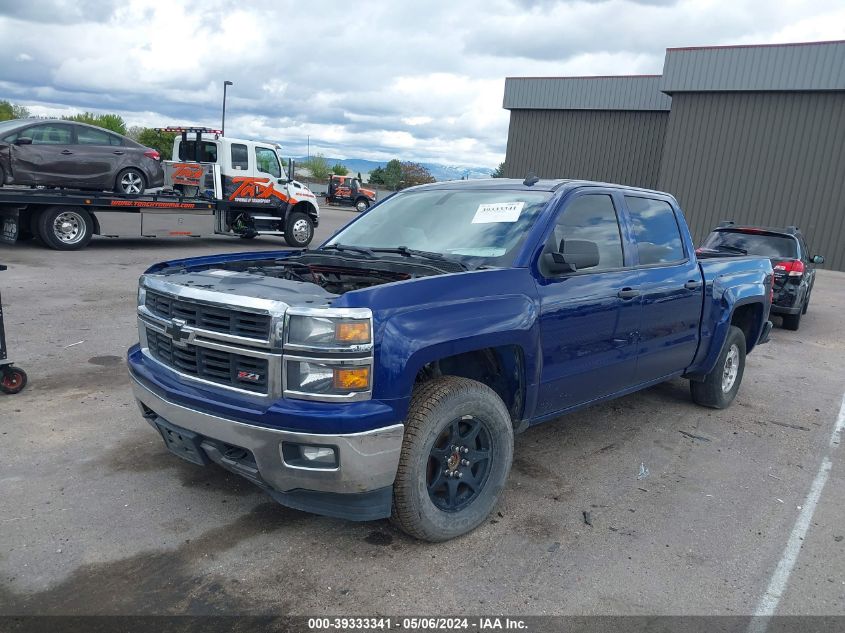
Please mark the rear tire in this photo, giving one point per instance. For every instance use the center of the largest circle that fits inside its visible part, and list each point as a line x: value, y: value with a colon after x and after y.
x: 792, y: 321
x: 299, y: 230
x: 65, y: 228
x: 130, y: 182
x: 721, y: 385
x: 456, y: 456
x: 12, y: 379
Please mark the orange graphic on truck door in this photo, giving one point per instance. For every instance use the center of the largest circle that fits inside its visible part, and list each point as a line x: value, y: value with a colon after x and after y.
x: 258, y: 189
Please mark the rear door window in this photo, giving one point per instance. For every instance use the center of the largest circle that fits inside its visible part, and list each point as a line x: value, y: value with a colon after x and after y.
x: 240, y: 156
x: 656, y: 231
x: 89, y: 136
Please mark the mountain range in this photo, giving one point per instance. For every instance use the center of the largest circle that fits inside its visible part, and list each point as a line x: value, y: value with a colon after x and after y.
x: 437, y: 170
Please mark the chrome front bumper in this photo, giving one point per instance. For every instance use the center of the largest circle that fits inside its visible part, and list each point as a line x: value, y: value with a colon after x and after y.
x: 366, y: 461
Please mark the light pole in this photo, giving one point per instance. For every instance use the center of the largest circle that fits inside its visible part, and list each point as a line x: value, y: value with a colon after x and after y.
x: 223, y: 124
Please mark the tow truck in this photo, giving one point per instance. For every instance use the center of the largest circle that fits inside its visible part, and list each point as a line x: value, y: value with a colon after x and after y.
x: 215, y: 186
x: 344, y: 190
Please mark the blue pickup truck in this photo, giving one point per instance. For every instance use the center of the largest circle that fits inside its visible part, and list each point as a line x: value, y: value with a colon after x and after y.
x: 384, y: 373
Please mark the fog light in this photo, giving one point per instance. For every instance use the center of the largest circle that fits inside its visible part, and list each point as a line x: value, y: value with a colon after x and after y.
x: 309, y: 455
x: 322, y: 454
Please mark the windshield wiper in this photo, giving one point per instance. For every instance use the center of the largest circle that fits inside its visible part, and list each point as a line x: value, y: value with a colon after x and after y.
x: 351, y: 249
x: 735, y: 249
x: 412, y: 252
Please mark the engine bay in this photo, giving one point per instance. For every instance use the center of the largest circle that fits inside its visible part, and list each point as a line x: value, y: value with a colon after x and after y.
x: 334, y: 274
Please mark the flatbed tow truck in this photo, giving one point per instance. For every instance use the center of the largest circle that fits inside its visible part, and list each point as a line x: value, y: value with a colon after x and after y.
x: 219, y: 186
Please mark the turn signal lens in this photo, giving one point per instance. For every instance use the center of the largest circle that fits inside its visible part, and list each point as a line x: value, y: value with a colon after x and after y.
x: 354, y: 379
x: 352, y: 332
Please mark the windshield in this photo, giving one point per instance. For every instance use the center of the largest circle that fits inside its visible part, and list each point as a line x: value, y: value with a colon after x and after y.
x: 482, y: 227
x: 767, y: 245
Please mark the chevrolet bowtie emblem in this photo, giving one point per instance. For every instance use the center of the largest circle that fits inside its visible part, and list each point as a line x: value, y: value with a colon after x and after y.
x: 175, y: 330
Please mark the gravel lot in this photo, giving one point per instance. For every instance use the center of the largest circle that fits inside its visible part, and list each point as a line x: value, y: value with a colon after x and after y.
x: 96, y: 517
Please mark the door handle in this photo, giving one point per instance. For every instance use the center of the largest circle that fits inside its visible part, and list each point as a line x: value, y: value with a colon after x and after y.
x: 119, y: 153
x: 628, y: 293
x: 692, y: 285
x: 67, y: 152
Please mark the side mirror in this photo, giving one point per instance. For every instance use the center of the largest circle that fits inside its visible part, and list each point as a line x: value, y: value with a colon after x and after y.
x: 572, y: 256
x: 818, y: 259
x: 291, y: 167
x: 23, y: 141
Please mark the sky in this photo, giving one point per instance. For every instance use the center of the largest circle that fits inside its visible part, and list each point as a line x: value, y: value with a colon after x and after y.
x: 419, y: 81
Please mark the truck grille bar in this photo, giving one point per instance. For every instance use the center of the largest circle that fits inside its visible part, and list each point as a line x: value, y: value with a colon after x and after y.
x: 206, y: 317
x: 226, y: 368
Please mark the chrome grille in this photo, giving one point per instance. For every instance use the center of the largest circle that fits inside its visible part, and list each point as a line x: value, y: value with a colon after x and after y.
x: 226, y: 368
x: 206, y: 317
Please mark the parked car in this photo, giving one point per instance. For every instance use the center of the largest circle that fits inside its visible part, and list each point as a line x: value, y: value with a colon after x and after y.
x: 386, y: 372
x: 794, y: 267
x: 57, y: 153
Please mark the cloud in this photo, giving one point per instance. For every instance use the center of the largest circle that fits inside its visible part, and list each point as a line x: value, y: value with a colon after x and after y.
x: 419, y: 81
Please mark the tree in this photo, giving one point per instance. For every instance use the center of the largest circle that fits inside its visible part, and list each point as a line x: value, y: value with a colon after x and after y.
x: 499, y: 172
x: 377, y: 176
x: 113, y: 122
x: 9, y: 111
x: 415, y: 174
x: 162, y: 142
x: 318, y: 166
x: 339, y: 170
x: 392, y: 174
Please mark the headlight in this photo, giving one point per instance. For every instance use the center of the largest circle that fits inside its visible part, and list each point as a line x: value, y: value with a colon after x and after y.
x: 350, y: 330
x: 142, y: 295
x: 328, y: 379
x: 328, y: 354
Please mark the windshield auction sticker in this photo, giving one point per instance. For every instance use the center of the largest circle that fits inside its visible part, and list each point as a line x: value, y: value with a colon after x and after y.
x: 498, y: 212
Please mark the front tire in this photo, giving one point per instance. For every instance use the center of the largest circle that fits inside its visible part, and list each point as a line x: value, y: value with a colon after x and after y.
x: 65, y: 228
x: 456, y: 456
x: 362, y: 204
x: 130, y: 182
x: 299, y: 230
x: 721, y: 385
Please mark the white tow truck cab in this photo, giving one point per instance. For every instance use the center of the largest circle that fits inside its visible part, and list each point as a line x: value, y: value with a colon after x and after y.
x: 248, y: 180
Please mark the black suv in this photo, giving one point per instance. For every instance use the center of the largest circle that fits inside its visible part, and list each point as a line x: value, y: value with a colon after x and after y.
x: 795, y: 269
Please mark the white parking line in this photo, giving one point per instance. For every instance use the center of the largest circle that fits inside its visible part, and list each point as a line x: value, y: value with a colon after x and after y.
x: 770, y: 600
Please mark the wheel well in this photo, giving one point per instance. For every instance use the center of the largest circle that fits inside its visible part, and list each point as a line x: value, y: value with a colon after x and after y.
x: 307, y: 209
x: 747, y: 319
x: 500, y: 368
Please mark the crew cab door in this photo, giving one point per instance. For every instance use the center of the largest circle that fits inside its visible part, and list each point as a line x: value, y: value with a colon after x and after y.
x: 670, y: 284
x: 588, y: 318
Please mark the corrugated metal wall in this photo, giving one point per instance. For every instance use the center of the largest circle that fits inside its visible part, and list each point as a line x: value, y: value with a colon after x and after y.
x: 772, y: 158
x: 637, y: 92
x: 610, y: 146
x: 801, y: 67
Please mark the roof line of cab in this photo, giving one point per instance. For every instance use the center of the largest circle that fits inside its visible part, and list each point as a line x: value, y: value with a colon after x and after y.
x: 541, y: 185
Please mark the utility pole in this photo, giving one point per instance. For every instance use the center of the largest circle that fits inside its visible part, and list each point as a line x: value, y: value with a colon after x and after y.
x: 309, y: 147
x: 223, y: 124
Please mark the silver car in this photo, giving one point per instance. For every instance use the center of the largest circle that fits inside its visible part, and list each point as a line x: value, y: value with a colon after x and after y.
x: 68, y: 154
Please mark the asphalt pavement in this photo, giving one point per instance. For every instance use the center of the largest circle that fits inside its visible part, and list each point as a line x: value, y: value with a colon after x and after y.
x: 96, y: 517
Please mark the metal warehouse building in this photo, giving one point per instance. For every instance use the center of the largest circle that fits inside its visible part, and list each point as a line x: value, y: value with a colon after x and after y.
x: 750, y: 133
